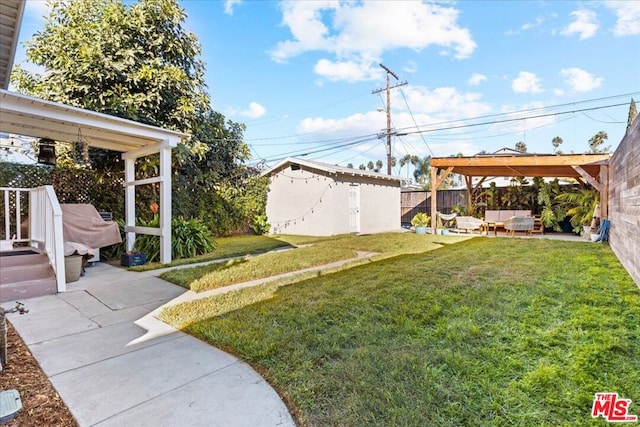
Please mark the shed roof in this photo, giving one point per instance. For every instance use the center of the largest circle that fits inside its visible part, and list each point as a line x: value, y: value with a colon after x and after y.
x: 330, y: 169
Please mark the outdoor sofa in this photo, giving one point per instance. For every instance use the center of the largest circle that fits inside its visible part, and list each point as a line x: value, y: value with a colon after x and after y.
x: 496, y: 218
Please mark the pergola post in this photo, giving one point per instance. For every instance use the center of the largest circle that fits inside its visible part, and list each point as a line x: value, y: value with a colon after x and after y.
x: 604, y: 193
x: 434, y: 194
x: 436, y: 182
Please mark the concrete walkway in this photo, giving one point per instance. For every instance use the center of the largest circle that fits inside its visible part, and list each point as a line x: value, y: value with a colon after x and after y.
x: 115, y: 365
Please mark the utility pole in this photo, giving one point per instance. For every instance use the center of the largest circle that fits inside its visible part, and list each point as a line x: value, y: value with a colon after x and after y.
x: 388, y: 89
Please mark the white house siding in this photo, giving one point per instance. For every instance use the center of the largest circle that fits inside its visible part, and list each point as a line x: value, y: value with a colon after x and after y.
x: 313, y: 202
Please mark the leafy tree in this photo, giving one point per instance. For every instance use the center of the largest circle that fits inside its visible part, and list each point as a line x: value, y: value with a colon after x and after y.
x: 557, y: 141
x: 521, y: 147
x: 350, y: 165
x: 136, y: 61
x: 596, y: 141
x: 362, y: 167
x: 370, y: 165
x: 379, y: 165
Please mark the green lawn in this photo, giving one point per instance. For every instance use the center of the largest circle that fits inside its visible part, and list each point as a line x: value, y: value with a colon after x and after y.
x: 484, y: 332
x: 319, y: 252
x: 226, y: 247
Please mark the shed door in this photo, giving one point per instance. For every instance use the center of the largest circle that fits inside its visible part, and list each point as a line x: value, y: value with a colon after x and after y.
x: 354, y: 208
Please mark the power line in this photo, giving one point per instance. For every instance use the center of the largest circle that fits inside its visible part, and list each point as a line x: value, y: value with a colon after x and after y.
x: 414, y: 120
x: 516, y: 119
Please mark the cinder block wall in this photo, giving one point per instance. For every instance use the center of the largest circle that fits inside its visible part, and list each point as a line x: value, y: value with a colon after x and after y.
x: 624, y: 201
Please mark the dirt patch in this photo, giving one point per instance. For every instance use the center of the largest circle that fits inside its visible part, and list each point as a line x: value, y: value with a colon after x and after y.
x: 41, y: 405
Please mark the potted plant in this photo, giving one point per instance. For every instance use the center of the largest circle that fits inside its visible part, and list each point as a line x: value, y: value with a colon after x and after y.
x: 420, y: 221
x: 579, y: 205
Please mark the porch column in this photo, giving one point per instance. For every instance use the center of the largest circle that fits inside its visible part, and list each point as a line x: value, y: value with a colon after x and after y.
x: 130, y: 199
x: 165, y: 204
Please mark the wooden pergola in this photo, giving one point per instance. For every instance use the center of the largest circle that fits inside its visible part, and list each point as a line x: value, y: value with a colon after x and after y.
x: 591, y: 168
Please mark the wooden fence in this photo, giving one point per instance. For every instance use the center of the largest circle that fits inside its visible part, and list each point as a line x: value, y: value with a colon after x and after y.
x: 624, y: 201
x: 412, y: 202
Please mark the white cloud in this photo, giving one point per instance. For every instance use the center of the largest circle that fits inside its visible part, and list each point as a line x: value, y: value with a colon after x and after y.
x: 347, y: 70
x: 579, y: 80
x: 476, y: 79
x: 585, y: 24
x: 526, y: 82
x: 628, y: 17
x: 446, y: 103
x: 255, y: 111
x: 519, y: 126
x: 360, y: 32
x: 429, y: 108
x: 526, y: 26
x: 37, y: 10
x: 411, y: 67
x: 530, y: 25
x: 229, y: 5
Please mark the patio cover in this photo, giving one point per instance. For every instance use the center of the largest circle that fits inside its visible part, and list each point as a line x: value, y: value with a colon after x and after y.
x: 38, y: 118
x: 592, y: 168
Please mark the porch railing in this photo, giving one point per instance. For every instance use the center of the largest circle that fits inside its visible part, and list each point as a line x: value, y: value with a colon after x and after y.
x: 45, y: 224
x: 15, y: 204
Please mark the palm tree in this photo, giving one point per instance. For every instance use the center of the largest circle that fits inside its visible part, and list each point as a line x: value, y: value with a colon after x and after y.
x: 422, y: 171
x: 597, y: 140
x: 404, y: 161
x: 370, y: 165
x: 379, y: 165
x: 521, y: 146
x: 556, y: 141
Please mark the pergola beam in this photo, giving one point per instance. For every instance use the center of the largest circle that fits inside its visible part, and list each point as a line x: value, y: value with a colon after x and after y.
x: 591, y: 180
x: 591, y: 167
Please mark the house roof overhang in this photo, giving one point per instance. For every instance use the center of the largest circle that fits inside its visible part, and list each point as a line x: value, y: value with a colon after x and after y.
x: 34, y: 117
x: 11, y: 12
x: 532, y: 165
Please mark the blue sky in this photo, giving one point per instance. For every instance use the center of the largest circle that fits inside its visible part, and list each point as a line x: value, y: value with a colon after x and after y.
x: 300, y: 75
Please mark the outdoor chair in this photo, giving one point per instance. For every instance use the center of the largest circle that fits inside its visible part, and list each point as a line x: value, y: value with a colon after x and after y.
x: 519, y: 223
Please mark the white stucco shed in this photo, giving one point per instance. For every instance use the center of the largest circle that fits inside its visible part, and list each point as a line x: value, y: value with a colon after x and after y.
x: 318, y: 199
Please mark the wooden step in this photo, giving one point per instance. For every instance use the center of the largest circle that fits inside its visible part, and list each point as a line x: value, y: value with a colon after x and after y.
x: 22, y: 257
x: 27, y: 289
x: 25, y: 274
x: 20, y: 273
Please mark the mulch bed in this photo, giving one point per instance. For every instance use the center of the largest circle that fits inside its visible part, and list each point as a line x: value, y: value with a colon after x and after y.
x: 41, y: 404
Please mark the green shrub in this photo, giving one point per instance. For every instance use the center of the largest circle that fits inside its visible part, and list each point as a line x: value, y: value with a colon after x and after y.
x: 189, y: 238
x: 260, y: 225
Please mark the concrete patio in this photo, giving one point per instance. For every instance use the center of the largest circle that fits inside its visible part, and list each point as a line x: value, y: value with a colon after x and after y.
x: 113, y: 364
